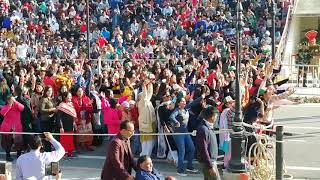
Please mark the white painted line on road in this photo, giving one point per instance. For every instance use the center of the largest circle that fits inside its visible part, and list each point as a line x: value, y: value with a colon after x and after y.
x: 81, y: 178
x: 301, y: 127
x: 79, y: 168
x: 303, y: 168
x: 302, y: 105
x: 295, y: 140
x: 91, y: 157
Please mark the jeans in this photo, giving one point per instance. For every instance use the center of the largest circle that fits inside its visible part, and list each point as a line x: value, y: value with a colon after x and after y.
x: 185, y: 148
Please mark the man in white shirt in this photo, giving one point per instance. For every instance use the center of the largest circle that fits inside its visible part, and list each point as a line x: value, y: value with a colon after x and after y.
x: 148, y: 49
x: 135, y: 26
x: 32, y: 164
x: 167, y: 10
x: 22, y: 51
x: 164, y: 33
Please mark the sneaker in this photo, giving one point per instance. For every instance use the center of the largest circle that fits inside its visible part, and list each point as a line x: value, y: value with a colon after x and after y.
x: 192, y: 170
x: 182, y: 174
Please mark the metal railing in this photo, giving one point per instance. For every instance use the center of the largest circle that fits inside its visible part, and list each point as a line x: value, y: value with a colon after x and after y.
x: 306, y: 78
x: 284, y: 36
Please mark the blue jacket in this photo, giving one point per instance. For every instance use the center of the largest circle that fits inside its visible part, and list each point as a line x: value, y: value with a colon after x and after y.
x: 144, y: 175
x: 6, y: 22
x: 182, y: 116
x: 201, y: 23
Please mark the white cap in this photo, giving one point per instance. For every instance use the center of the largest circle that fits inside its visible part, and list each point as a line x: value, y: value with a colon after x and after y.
x: 116, y: 75
x: 132, y: 102
x: 125, y: 104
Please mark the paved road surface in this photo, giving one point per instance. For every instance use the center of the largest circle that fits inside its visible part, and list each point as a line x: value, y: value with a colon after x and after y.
x: 301, y: 152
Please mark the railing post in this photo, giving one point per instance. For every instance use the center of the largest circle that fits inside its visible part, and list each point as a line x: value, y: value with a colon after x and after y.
x: 279, y: 153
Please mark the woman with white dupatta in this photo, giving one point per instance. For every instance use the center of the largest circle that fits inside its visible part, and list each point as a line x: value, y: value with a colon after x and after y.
x: 147, y: 118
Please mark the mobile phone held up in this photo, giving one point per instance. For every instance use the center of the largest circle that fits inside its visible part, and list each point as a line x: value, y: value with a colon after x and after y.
x: 52, y: 169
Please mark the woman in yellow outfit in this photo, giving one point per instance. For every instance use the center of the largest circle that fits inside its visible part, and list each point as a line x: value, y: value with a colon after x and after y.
x: 128, y: 89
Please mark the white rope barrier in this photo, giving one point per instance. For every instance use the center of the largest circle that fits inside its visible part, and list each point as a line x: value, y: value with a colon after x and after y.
x: 259, y: 126
x: 92, y: 134
x: 255, y: 126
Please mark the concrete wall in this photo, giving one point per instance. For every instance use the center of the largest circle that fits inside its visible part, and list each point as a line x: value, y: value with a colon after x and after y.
x: 308, y: 23
x: 300, y: 24
x: 295, y: 28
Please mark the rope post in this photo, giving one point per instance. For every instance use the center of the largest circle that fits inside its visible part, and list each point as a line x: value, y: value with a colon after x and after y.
x: 88, y: 28
x: 237, y: 161
x: 279, y: 153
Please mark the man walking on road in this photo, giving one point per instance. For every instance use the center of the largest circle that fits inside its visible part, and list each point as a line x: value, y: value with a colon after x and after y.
x: 32, y: 164
x: 207, y: 146
x: 119, y: 161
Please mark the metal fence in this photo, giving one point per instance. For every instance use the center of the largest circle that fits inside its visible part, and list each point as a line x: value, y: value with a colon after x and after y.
x: 284, y: 37
x: 306, y: 78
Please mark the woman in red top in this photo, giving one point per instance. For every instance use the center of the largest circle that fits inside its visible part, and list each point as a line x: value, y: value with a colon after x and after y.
x: 83, y: 107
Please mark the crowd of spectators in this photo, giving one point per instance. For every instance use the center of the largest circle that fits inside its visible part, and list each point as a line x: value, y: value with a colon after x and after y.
x: 136, y: 29
x: 156, y: 63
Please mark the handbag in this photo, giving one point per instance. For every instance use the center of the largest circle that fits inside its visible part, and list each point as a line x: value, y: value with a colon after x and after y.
x: 162, y: 146
x: 96, y: 120
x: 85, y: 128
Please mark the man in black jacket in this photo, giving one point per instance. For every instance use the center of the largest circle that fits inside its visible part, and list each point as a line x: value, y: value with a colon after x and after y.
x: 207, y: 146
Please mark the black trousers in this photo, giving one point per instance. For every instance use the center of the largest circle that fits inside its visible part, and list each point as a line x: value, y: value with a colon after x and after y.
x: 97, y: 140
x: 303, y: 72
x: 8, y: 140
x: 47, y: 126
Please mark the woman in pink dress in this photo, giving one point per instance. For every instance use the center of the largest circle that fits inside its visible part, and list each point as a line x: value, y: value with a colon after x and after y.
x: 11, y: 123
x: 112, y: 115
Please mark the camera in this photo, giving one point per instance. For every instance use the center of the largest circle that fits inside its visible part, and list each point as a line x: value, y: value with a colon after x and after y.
x: 52, y: 169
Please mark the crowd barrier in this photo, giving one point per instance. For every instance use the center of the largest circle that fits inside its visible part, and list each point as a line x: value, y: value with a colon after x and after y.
x: 88, y: 134
x: 254, y: 126
x: 300, y: 73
